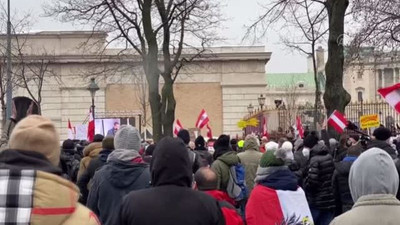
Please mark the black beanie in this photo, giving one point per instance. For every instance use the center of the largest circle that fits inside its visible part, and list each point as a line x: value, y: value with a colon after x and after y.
x: 222, y: 145
x: 108, y: 143
x: 310, y: 141
x: 184, y: 135
x: 98, y: 138
x: 382, y: 133
x: 200, y: 143
x: 68, y: 144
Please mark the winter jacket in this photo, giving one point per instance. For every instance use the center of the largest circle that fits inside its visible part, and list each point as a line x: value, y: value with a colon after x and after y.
x: 171, y: 200
x: 277, y: 199
x: 339, y: 154
x: 250, y: 159
x: 87, y: 176
x: 114, y: 180
x: 91, y: 151
x: 5, y: 135
x: 69, y: 163
x: 221, y: 168
x: 36, y: 194
x: 384, y: 146
x: 204, y: 157
x: 300, y: 166
x: 373, y: 182
x: 231, y: 216
x: 318, y: 182
x: 341, y: 188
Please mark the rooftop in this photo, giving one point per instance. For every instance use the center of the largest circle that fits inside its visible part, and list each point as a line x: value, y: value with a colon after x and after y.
x: 282, y: 80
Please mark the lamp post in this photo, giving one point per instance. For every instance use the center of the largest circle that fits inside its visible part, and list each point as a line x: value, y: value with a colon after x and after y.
x: 261, y: 101
x: 250, y: 108
x: 9, y: 84
x: 93, y: 87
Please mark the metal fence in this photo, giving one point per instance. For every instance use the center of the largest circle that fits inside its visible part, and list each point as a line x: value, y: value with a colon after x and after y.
x: 282, y: 119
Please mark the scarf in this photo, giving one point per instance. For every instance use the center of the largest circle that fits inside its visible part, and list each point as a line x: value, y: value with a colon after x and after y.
x: 263, y: 173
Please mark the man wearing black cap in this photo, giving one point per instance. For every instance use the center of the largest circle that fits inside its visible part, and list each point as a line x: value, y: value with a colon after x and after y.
x: 171, y: 200
x: 185, y: 137
x: 381, y: 140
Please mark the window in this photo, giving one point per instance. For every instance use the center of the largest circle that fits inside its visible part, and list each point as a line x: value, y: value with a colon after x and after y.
x: 360, y: 96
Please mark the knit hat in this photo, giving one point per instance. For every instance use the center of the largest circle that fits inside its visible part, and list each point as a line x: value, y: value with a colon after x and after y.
x: 184, y: 135
x: 271, y: 146
x: 108, y: 143
x: 128, y: 138
x: 269, y: 159
x: 98, y: 138
x: 200, y: 142
x: 382, y: 133
x: 310, y: 141
x: 68, y: 144
x: 38, y: 134
x: 287, y: 147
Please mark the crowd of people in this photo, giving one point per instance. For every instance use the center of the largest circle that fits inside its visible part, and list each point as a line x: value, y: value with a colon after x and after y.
x: 119, y: 179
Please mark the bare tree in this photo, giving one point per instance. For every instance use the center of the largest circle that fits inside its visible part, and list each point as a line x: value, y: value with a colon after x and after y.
x: 158, y: 31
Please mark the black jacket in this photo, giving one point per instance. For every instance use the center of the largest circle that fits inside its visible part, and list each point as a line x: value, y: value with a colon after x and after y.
x: 341, y: 189
x: 85, y: 178
x: 318, y: 182
x: 204, y: 157
x: 69, y: 163
x: 170, y: 200
x: 299, y: 166
x: 384, y: 146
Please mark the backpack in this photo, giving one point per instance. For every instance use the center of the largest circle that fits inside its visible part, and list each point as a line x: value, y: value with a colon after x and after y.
x: 236, y: 187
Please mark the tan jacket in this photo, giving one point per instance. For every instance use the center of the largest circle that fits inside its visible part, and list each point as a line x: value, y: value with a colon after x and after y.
x: 250, y: 159
x: 55, y: 202
x: 380, y: 209
x: 91, y: 151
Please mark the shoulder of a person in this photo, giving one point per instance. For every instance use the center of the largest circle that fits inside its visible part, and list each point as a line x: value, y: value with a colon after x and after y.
x: 82, y: 216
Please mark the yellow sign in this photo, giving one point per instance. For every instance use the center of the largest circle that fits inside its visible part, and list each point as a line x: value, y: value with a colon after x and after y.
x: 369, y: 121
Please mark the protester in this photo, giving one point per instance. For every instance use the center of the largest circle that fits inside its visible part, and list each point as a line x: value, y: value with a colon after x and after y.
x: 185, y: 137
x: 125, y: 171
x: 302, y: 155
x: 207, y: 181
x: 240, y: 145
x: 148, y: 153
x: 33, y: 190
x: 277, y: 199
x: 381, y: 140
x: 354, y: 139
x: 69, y: 160
x: 250, y: 159
x: 94, y: 165
x: 205, y: 158
x: 90, y: 152
x: 234, y: 145
x: 224, y: 158
x: 171, y: 200
x: 333, y: 146
x: 341, y: 152
x: 373, y: 182
x: 341, y: 189
x: 318, y: 185
x: 264, y: 140
x: 191, y: 145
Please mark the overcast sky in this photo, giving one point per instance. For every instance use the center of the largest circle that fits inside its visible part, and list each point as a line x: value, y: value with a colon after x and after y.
x: 238, y: 13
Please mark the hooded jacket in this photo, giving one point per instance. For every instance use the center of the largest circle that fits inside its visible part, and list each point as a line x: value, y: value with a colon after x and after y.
x: 34, y: 187
x: 318, y: 182
x: 250, y: 159
x: 170, y: 200
x: 373, y: 184
x: 341, y: 188
x: 115, y: 180
x: 231, y: 216
x: 221, y: 168
x: 384, y: 146
x: 91, y: 151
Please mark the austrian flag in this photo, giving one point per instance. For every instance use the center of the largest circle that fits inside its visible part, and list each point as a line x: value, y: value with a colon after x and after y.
x: 392, y: 96
x: 338, y: 121
x: 202, y: 120
x: 177, y: 127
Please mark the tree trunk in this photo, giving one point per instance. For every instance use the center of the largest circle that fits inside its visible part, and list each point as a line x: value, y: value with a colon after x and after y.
x: 168, y: 107
x: 335, y: 97
x: 155, y: 103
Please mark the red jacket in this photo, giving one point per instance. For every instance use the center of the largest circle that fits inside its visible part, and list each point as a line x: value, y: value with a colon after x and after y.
x: 230, y: 214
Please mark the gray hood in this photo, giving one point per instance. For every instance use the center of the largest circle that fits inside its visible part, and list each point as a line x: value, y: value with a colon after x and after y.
x: 123, y: 155
x: 373, y: 172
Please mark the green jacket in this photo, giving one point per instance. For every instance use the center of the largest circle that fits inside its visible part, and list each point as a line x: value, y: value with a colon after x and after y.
x: 250, y: 159
x: 221, y: 168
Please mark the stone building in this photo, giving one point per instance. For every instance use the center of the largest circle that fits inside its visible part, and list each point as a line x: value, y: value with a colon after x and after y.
x: 222, y: 81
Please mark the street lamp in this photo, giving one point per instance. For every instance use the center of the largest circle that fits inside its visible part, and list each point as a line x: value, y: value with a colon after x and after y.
x: 93, y: 87
x: 261, y: 101
x: 250, y: 108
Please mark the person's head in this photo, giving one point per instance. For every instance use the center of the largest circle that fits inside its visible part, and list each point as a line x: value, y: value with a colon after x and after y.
x: 150, y: 150
x: 116, y: 126
x: 310, y: 141
x: 382, y: 134
x: 264, y: 140
x: 234, y: 144
x: 200, y: 143
x: 287, y: 146
x: 251, y: 143
x: 108, y: 143
x: 222, y: 145
x: 98, y: 138
x: 184, y: 135
x: 374, y: 172
x: 354, y: 151
x: 273, y: 158
x: 37, y: 134
x: 271, y: 146
x: 281, y: 141
x: 354, y: 139
x: 128, y: 138
x: 192, y: 145
x: 333, y: 143
x: 206, y: 179
x: 170, y: 164
x: 23, y: 107
x: 68, y: 145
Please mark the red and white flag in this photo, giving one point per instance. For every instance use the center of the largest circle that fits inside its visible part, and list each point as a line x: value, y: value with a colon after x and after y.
x: 71, y: 131
x: 91, y: 129
x: 209, y: 132
x: 392, y: 96
x: 177, y: 127
x: 299, y: 127
x: 338, y: 121
x: 265, y: 127
x: 202, y: 120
